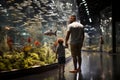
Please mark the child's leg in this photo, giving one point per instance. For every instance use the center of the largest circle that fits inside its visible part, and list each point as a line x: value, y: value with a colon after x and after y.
x: 63, y: 67
x: 59, y: 67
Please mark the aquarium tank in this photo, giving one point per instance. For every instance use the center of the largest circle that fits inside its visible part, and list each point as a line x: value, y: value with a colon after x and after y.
x: 29, y: 30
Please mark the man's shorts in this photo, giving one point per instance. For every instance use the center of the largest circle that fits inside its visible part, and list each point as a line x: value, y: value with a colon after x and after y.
x: 75, y: 49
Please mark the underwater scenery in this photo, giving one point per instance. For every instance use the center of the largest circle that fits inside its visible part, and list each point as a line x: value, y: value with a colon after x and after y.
x: 29, y: 30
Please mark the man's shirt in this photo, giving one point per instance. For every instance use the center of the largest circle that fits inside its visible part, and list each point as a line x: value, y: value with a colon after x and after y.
x: 76, y: 32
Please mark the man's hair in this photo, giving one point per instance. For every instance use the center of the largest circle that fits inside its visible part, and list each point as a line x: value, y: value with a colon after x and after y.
x: 74, y: 16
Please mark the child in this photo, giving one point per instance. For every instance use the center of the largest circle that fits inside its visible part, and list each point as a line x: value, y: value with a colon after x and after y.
x: 60, y: 55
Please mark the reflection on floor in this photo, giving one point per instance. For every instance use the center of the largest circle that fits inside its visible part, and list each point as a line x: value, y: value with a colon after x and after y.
x: 95, y: 66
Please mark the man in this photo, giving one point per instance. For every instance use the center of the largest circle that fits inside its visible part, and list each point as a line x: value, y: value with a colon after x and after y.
x: 75, y: 32
x: 101, y: 43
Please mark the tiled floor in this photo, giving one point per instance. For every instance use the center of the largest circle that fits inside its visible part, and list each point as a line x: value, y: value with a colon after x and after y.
x: 95, y: 66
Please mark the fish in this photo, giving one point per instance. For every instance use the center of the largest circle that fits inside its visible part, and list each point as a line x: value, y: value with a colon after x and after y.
x: 37, y: 43
x: 50, y: 33
x: 29, y: 40
x: 27, y: 48
x: 10, y: 42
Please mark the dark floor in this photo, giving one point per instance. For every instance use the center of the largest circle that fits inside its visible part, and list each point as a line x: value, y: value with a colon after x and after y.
x: 95, y: 66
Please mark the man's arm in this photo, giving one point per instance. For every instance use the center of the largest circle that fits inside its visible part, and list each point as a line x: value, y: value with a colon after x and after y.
x: 83, y: 35
x: 67, y: 38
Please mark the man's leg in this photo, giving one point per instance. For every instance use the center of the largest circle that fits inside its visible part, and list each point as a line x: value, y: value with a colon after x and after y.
x: 79, y: 57
x: 75, y: 62
x: 79, y: 62
x: 73, y: 53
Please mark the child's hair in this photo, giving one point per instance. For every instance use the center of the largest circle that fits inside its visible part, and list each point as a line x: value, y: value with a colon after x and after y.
x: 60, y: 40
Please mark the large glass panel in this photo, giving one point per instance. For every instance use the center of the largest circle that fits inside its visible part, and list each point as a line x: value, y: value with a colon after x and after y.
x: 106, y: 27
x: 98, y: 36
x: 117, y: 25
x: 25, y: 37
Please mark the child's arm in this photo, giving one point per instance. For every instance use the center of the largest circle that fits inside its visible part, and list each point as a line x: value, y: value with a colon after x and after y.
x: 55, y: 58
